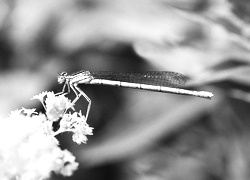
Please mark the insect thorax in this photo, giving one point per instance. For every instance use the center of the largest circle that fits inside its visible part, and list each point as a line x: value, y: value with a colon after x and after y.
x: 81, y: 77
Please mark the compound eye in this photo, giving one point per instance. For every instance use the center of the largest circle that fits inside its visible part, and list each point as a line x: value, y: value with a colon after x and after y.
x: 63, y: 74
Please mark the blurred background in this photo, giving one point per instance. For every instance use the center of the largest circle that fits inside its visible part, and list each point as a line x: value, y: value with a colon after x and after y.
x: 138, y: 135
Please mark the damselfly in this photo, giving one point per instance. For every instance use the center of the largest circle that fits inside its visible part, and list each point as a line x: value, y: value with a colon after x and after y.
x: 160, y: 81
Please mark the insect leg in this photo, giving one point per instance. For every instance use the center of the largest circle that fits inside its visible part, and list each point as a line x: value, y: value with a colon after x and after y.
x: 66, y: 84
x: 87, y: 98
x: 78, y: 92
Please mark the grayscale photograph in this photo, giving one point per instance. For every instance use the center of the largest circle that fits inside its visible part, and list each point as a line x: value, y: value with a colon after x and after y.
x: 124, y: 90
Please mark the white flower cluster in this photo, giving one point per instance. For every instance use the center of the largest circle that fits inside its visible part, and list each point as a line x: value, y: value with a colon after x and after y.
x: 29, y: 149
x: 55, y: 107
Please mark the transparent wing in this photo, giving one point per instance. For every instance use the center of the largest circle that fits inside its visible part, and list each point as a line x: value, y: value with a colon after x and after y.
x: 158, y: 78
